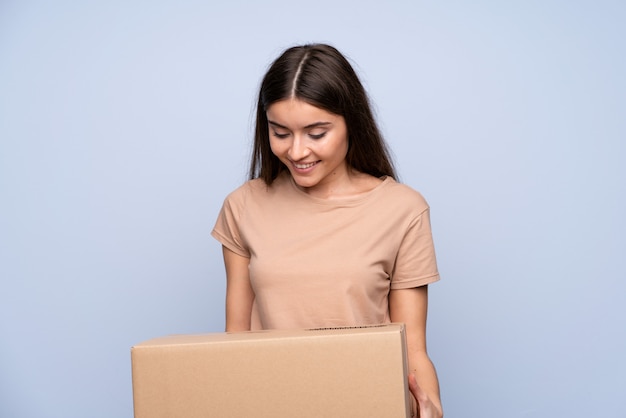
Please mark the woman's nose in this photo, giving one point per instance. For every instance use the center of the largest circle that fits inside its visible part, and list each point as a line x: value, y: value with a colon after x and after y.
x: 298, y: 149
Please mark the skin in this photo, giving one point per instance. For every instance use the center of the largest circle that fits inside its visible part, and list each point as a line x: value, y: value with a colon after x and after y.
x: 312, y: 143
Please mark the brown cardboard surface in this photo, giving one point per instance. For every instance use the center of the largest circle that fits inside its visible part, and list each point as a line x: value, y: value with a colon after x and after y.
x: 338, y: 372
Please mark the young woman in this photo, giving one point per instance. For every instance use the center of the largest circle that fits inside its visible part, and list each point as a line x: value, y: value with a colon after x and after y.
x: 322, y: 234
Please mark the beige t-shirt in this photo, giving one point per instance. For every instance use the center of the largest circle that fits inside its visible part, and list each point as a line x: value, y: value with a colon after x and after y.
x: 325, y: 263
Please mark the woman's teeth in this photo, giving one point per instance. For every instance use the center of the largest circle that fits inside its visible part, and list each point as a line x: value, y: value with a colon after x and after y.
x: 303, y: 166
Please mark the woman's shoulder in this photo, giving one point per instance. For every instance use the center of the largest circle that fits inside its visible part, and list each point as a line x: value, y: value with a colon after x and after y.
x: 403, y: 194
x: 246, y: 187
x: 254, y: 189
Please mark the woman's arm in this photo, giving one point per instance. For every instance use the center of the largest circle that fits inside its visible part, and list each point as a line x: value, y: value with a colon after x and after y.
x: 239, y: 293
x: 410, y: 307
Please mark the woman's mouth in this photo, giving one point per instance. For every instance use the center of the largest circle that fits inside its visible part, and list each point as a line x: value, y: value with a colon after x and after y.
x: 304, y: 166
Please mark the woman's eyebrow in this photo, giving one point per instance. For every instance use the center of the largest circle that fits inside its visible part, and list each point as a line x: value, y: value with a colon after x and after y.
x: 310, y: 126
x: 317, y: 124
x: 278, y: 125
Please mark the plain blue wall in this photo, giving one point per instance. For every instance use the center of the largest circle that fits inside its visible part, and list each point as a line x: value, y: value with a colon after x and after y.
x: 123, y: 125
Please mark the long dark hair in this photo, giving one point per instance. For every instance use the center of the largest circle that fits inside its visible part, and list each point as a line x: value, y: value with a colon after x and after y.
x: 321, y: 76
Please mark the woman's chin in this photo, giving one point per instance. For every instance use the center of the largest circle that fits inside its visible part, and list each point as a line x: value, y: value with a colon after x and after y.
x: 304, y: 183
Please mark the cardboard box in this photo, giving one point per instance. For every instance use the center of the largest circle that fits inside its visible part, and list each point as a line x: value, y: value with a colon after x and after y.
x: 325, y: 373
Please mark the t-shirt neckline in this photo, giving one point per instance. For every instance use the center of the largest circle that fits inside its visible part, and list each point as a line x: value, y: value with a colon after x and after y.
x: 341, y: 201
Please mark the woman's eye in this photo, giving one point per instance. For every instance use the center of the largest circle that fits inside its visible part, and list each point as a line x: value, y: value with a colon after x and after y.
x: 317, y: 136
x: 280, y: 135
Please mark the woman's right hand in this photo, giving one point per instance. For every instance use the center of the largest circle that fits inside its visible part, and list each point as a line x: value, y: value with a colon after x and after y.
x: 425, y: 407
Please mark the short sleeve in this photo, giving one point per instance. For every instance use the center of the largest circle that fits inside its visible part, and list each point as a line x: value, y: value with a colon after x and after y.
x: 416, y: 264
x: 227, y: 229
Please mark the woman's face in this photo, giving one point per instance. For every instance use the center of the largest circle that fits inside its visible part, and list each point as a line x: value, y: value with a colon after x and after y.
x: 311, y: 142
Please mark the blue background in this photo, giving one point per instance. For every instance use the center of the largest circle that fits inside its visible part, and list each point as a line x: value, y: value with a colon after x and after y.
x: 124, y: 124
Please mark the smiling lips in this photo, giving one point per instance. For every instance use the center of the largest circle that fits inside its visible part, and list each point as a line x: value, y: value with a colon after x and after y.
x: 304, y: 166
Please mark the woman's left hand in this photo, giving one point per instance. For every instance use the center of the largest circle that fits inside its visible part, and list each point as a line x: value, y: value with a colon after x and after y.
x: 426, y: 408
